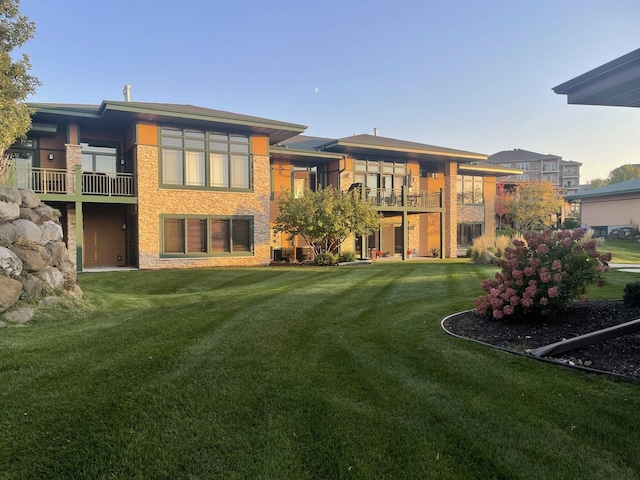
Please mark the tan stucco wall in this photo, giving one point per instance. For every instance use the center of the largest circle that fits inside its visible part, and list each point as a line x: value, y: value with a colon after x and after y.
x: 616, y: 210
x: 154, y: 201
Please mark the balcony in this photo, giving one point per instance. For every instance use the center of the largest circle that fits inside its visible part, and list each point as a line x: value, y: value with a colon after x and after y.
x: 48, y: 181
x: 398, y: 199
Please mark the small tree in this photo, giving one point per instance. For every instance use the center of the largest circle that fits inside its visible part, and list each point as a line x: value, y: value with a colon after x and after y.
x: 533, y: 206
x: 325, y: 218
x: 15, y: 82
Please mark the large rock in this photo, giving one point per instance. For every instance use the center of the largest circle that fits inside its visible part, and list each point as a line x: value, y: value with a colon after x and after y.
x: 33, y: 259
x: 10, y: 194
x: 9, y: 211
x: 47, y: 213
x: 58, y: 252
x: 29, y: 214
x: 69, y: 271
x: 32, y: 286
x: 8, y: 234
x: 9, y: 292
x: 51, y: 277
x: 51, y: 232
x: 28, y: 230
x: 9, y: 262
x: 29, y: 199
x: 20, y: 315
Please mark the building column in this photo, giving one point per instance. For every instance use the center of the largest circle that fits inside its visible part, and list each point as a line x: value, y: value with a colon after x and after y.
x: 451, y: 210
x: 79, y: 236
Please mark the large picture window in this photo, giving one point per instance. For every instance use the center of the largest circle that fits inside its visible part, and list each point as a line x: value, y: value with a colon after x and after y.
x: 206, y: 235
x: 193, y: 158
x: 470, y: 190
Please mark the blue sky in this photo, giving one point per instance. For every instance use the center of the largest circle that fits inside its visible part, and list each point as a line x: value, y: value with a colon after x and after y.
x: 462, y: 74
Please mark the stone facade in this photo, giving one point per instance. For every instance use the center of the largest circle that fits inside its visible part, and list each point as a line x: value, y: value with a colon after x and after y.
x: 154, y: 201
x: 451, y: 211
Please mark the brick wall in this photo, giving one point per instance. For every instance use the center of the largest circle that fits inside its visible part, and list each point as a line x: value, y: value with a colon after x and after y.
x: 153, y: 201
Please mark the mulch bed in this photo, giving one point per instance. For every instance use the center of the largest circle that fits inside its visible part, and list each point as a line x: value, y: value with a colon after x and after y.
x: 619, y: 356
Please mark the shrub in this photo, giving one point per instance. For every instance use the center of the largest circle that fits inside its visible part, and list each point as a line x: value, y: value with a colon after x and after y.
x: 501, y: 243
x: 632, y: 294
x: 326, y: 258
x: 347, y: 256
x: 543, y: 275
x: 480, y: 251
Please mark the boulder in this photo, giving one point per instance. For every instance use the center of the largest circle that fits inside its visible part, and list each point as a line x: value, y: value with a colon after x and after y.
x: 29, y: 214
x: 20, y: 315
x: 8, y: 234
x: 9, y: 262
x: 32, y: 286
x: 9, y: 211
x: 33, y: 259
x: 58, y: 252
x: 50, y: 300
x: 10, y: 194
x: 51, y: 232
x: 9, y: 292
x: 29, y: 199
x: 76, y: 290
x: 51, y: 277
x: 45, y: 212
x: 29, y: 230
x: 69, y: 272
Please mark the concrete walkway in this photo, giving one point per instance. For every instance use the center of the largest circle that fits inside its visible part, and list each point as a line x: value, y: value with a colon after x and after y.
x: 626, y: 267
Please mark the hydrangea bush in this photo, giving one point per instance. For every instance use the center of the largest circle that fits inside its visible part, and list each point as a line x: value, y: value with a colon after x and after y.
x: 542, y: 275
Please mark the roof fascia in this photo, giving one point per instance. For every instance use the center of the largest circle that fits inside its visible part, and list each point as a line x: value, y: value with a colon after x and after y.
x: 490, y: 169
x: 306, y: 153
x: 460, y: 154
x: 206, y: 118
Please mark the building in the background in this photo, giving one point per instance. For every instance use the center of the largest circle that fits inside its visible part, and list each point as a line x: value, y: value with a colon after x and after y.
x: 564, y: 174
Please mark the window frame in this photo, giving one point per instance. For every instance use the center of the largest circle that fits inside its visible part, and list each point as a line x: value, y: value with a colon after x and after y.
x: 206, y: 151
x: 473, y: 180
x: 208, y: 253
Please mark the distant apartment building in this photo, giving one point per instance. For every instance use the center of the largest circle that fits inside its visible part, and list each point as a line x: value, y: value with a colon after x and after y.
x: 564, y: 174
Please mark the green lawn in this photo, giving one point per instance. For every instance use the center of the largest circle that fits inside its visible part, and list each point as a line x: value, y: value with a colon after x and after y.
x: 623, y: 251
x: 297, y: 373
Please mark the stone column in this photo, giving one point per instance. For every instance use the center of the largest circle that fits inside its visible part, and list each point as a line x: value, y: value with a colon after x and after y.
x: 451, y: 210
x: 74, y: 157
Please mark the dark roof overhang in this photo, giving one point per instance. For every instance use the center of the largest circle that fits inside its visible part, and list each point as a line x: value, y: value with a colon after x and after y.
x: 616, y: 83
x: 113, y: 114
x: 488, y: 170
x: 306, y: 156
x: 370, y: 145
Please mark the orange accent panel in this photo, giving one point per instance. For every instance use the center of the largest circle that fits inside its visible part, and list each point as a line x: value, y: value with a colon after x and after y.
x: 147, y: 134
x: 260, y: 145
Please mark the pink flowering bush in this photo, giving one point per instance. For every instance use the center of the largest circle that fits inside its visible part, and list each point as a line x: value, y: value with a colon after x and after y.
x: 543, y: 275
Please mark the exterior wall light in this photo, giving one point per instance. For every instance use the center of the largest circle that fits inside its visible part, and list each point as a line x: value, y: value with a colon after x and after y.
x: 50, y: 156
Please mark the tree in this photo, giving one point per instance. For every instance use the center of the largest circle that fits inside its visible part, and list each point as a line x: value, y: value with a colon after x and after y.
x: 533, y: 206
x: 617, y: 175
x: 623, y: 173
x: 325, y: 218
x: 15, y: 82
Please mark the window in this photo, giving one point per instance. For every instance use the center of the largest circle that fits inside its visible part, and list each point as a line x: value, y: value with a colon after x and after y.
x: 549, y: 167
x: 380, y: 174
x: 99, y: 159
x: 467, y: 232
x: 193, y: 158
x: 470, y: 190
x: 523, y: 166
x: 23, y: 155
x: 195, y: 236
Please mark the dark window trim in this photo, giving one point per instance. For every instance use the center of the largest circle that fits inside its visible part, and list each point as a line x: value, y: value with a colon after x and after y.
x: 208, y: 218
x: 207, y: 167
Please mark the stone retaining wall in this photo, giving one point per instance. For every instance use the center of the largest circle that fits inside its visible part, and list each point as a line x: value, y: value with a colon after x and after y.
x: 34, y: 261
